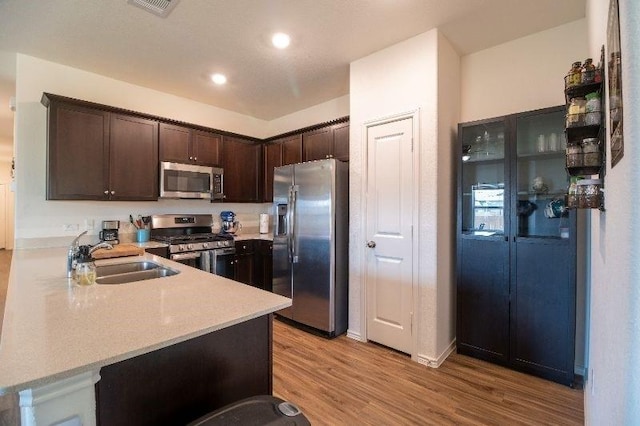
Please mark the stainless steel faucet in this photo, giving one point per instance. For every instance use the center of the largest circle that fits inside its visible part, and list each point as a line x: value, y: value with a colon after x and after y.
x: 103, y: 244
x: 72, y: 254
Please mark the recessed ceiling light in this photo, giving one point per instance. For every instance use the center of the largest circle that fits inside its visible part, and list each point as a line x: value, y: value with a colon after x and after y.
x: 281, y: 40
x: 219, y: 79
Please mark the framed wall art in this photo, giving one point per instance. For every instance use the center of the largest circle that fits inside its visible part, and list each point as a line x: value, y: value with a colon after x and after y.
x: 614, y: 76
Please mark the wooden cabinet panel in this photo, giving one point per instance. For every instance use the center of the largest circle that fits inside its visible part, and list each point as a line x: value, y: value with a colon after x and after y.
x: 541, y: 313
x: 272, y: 159
x: 244, y: 262
x: 182, y: 382
x: 341, y: 141
x: 242, y: 162
x: 174, y: 143
x: 78, y: 153
x: 134, y: 158
x: 291, y: 150
x: 483, y: 299
x: 264, y: 266
x: 184, y: 145
x: 279, y: 153
x: 206, y: 148
x: 318, y: 144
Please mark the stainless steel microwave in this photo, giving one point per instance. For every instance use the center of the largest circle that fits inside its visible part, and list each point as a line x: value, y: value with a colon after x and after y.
x: 178, y: 180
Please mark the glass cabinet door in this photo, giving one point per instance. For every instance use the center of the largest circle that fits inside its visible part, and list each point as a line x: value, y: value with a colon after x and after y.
x: 541, y: 179
x: 483, y: 179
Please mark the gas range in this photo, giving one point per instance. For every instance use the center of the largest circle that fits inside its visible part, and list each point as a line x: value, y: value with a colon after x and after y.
x: 188, y: 233
x: 195, y: 242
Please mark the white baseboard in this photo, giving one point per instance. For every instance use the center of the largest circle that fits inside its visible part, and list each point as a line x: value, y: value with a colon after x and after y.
x: 437, y: 362
x: 355, y: 336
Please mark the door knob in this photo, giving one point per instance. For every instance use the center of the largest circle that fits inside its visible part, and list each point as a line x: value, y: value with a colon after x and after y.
x: 371, y: 244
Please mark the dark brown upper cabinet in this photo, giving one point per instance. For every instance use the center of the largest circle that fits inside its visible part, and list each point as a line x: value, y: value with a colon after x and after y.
x: 95, y: 154
x: 327, y: 142
x: 185, y: 145
x: 242, y: 163
x: 283, y: 151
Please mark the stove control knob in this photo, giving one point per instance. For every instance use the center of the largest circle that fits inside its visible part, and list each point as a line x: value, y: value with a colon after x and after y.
x: 190, y: 246
x: 181, y: 247
x: 205, y: 245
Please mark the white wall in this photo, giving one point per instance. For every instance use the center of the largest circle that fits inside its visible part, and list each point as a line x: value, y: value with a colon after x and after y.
x: 399, y: 79
x: 40, y: 222
x: 523, y: 74
x: 326, y: 111
x: 612, y: 392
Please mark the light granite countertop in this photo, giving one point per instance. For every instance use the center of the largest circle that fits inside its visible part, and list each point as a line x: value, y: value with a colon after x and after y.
x: 253, y: 236
x: 54, y: 329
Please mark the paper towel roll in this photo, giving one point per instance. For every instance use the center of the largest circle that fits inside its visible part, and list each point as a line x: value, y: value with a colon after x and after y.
x: 264, y: 223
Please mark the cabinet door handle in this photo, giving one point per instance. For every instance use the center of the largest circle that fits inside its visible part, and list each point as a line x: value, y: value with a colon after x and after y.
x: 106, y: 192
x: 195, y: 158
x: 371, y: 244
x: 113, y: 192
x: 190, y: 158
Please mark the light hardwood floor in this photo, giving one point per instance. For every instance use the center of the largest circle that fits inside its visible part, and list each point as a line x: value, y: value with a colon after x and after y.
x: 345, y: 382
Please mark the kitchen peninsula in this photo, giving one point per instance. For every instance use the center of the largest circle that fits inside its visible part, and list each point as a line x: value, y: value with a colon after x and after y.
x: 171, y: 348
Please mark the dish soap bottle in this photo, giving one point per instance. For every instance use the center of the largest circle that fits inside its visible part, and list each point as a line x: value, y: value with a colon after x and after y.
x: 85, y: 272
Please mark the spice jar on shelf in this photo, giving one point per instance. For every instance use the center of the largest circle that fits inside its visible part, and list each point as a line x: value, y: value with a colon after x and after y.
x: 572, y: 194
x: 591, y: 152
x: 574, y: 76
x: 577, y: 108
x: 574, y: 155
x: 589, y: 193
x: 592, y: 109
x: 588, y: 71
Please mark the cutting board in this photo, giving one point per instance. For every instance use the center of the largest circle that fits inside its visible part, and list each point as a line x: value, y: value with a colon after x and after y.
x: 119, y: 250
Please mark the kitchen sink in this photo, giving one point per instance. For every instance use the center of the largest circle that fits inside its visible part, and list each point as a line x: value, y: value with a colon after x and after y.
x: 122, y: 273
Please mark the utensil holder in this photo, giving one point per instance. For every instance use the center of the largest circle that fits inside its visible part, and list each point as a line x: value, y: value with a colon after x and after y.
x: 142, y: 235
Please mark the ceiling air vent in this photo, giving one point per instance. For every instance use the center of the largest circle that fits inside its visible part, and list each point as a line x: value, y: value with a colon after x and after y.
x: 157, y: 7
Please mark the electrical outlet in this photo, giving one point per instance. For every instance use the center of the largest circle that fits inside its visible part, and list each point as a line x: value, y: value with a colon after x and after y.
x: 70, y: 227
x: 88, y: 224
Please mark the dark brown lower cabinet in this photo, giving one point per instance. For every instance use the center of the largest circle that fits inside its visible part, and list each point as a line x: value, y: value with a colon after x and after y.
x: 253, y: 263
x: 179, y: 383
x: 264, y: 265
x: 244, y: 262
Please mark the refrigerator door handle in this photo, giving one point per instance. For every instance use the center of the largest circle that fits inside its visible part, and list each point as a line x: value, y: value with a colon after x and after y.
x: 293, y: 236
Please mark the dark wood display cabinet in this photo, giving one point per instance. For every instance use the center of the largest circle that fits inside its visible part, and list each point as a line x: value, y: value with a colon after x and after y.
x: 242, y: 163
x: 283, y: 151
x: 516, y: 245
x: 95, y: 154
x: 186, y: 145
x: 327, y: 142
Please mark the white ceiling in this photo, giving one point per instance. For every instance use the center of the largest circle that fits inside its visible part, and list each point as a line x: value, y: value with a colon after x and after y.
x: 177, y: 53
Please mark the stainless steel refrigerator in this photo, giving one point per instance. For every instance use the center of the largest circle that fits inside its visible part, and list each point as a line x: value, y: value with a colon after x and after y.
x: 310, y: 243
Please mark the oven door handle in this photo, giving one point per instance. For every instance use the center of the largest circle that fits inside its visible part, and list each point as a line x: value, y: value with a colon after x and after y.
x: 185, y: 256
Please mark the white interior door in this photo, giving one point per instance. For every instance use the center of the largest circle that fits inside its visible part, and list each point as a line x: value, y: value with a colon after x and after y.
x: 389, y: 225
